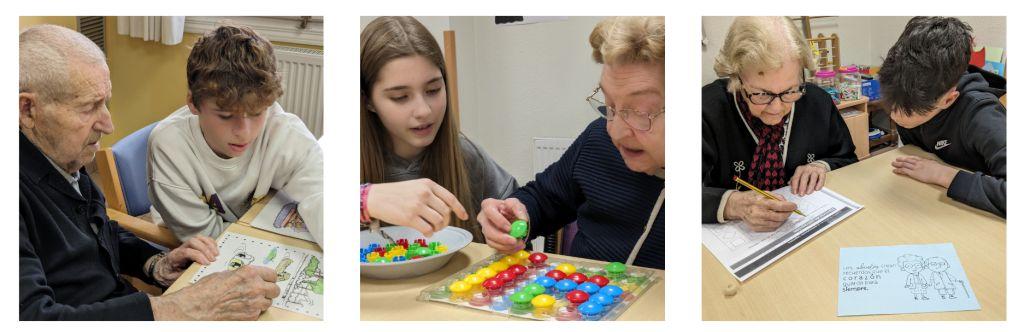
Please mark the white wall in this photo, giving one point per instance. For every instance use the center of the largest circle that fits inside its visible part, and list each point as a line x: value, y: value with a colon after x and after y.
x: 862, y: 39
x: 524, y: 81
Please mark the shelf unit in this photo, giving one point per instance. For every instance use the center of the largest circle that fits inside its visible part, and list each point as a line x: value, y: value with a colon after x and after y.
x: 855, y: 114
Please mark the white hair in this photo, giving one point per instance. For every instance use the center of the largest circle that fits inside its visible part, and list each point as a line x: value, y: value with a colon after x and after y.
x: 629, y: 39
x: 45, y: 55
x: 761, y: 43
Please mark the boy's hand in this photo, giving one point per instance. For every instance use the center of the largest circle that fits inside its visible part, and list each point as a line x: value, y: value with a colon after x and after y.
x: 807, y: 179
x: 924, y: 170
x: 496, y: 218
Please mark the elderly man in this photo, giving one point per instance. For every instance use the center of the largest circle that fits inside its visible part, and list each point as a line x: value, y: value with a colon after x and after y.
x: 71, y: 256
x: 611, y: 180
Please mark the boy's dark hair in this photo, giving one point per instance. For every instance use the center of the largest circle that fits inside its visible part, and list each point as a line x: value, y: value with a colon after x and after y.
x: 926, y: 61
x: 235, y: 66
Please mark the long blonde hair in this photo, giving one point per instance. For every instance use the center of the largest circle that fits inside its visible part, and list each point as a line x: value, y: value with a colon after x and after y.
x: 386, y: 39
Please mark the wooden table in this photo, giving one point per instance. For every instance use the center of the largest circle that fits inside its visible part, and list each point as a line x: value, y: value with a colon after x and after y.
x: 897, y: 210
x: 396, y: 299
x: 242, y: 227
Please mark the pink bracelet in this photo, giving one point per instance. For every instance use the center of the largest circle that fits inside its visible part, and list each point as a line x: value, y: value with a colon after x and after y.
x: 364, y: 213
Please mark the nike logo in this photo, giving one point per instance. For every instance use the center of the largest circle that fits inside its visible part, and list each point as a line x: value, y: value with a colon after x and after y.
x: 941, y: 144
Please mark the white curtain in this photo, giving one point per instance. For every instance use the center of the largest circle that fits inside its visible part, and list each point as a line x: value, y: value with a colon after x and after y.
x: 165, y: 29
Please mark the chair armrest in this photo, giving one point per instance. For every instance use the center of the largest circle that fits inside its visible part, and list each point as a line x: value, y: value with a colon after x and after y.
x: 145, y: 230
x: 109, y: 180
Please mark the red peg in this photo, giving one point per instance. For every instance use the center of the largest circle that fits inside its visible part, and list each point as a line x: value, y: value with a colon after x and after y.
x: 577, y: 297
x: 600, y: 280
x: 493, y: 284
x: 518, y: 269
x: 578, y: 278
x: 558, y: 275
x: 506, y: 276
x: 538, y: 258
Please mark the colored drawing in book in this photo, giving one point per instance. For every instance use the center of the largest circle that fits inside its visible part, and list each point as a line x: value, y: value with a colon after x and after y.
x: 299, y: 271
x: 281, y: 215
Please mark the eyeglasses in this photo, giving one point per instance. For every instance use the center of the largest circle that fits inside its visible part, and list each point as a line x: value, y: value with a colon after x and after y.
x: 642, y: 121
x: 765, y: 98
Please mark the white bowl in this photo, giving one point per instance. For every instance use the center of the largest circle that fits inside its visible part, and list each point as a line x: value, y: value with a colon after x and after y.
x: 453, y: 237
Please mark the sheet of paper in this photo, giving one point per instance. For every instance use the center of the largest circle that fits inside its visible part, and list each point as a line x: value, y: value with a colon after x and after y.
x: 903, y: 279
x: 299, y: 271
x: 281, y: 216
x: 744, y: 252
x: 994, y: 54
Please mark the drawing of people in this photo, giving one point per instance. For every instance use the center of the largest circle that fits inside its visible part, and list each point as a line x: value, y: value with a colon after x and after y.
x: 941, y: 279
x: 913, y: 264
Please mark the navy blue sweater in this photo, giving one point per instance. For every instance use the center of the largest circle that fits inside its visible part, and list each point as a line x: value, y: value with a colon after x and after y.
x: 590, y: 184
x: 68, y: 271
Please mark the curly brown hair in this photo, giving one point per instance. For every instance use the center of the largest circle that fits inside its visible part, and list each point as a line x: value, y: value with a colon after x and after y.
x: 235, y: 66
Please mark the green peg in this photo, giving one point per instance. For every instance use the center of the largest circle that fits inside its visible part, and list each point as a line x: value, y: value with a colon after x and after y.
x: 519, y: 229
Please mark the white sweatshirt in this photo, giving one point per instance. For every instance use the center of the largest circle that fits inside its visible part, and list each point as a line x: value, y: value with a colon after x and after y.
x: 194, y: 191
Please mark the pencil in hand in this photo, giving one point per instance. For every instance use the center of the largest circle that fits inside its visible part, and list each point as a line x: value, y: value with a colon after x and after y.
x: 762, y: 192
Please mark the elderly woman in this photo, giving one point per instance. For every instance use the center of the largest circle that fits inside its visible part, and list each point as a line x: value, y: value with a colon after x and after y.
x: 764, y: 124
x: 611, y: 181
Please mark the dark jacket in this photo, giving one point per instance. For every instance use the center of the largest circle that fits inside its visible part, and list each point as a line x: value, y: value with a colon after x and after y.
x: 611, y: 204
x: 68, y: 271
x: 970, y: 134
x: 818, y: 132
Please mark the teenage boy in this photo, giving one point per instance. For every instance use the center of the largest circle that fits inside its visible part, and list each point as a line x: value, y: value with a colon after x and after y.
x: 947, y: 110
x: 210, y: 160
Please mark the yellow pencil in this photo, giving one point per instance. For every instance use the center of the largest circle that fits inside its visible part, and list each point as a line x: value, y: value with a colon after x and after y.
x: 759, y: 191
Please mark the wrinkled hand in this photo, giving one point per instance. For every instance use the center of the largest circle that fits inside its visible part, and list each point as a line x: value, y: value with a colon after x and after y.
x: 420, y: 204
x: 228, y: 295
x: 200, y: 249
x: 924, y: 170
x: 807, y: 179
x: 758, y: 212
x: 496, y: 217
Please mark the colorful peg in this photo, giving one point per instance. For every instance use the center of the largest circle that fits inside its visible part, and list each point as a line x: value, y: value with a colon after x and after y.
x: 519, y: 230
x: 558, y: 275
x: 543, y: 305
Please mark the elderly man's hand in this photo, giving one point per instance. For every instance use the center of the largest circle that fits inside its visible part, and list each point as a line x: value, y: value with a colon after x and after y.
x: 758, y: 212
x: 924, y: 170
x: 228, y: 295
x: 200, y: 249
x: 495, y: 220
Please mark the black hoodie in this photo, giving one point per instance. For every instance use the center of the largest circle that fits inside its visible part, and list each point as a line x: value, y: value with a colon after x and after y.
x: 970, y: 134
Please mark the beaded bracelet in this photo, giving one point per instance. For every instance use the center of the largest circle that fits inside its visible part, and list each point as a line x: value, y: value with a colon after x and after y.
x: 364, y: 213
x: 153, y: 261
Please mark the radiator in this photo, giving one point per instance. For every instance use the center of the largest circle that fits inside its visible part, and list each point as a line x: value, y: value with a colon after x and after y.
x: 302, y: 74
x: 547, y: 151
